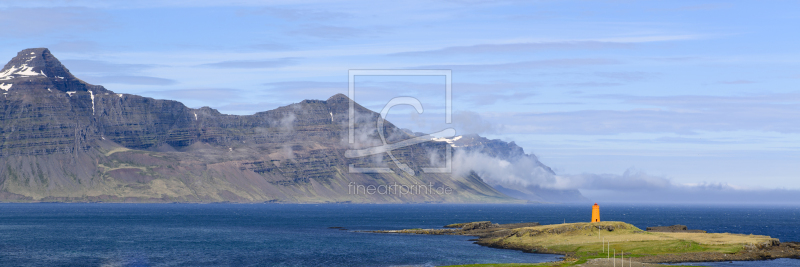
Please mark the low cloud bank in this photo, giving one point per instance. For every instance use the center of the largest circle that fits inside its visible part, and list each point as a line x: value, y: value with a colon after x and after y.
x: 514, y: 173
x: 635, y: 186
x: 523, y: 170
x: 632, y: 186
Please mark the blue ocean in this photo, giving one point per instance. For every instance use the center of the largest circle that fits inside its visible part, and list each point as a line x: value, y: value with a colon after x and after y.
x: 51, y: 234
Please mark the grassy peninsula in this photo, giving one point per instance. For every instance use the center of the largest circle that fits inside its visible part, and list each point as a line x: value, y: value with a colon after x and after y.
x: 588, y: 244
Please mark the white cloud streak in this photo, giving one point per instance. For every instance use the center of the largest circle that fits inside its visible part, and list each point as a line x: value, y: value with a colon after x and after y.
x: 668, y: 114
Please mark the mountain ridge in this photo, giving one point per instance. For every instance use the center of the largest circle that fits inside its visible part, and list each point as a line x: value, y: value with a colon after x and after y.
x: 63, y: 139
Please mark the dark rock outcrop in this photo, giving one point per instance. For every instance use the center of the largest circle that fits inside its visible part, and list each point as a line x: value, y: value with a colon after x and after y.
x: 478, y: 225
x: 482, y: 229
x: 673, y: 229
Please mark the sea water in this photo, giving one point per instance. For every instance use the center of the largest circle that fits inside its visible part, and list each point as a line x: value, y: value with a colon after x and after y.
x: 51, y: 234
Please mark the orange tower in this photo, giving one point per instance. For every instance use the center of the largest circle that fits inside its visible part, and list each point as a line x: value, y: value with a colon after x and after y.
x: 595, y: 213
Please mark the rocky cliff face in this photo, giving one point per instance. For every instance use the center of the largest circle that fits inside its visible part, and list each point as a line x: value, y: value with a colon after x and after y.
x: 62, y: 139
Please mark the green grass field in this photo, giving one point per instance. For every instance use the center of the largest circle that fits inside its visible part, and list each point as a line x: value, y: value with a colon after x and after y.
x: 585, y: 241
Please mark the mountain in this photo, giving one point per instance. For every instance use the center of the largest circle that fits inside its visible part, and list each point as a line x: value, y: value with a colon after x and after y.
x: 64, y: 140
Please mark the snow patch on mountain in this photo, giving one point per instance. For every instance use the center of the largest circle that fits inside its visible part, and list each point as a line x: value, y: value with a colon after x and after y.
x: 91, y: 94
x: 450, y: 141
x: 19, y: 71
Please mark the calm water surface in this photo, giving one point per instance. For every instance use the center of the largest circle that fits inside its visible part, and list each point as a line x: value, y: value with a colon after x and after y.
x: 298, y: 235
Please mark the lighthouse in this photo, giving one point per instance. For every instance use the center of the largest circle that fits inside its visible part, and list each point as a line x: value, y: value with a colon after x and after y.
x: 595, y: 213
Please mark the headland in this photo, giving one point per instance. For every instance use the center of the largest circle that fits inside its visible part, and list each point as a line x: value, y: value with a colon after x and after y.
x: 596, y: 244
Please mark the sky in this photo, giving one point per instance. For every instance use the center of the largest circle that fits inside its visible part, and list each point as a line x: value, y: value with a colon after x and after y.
x: 694, y: 93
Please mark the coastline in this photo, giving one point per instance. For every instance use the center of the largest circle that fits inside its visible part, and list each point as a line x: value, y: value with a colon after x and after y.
x: 580, y: 243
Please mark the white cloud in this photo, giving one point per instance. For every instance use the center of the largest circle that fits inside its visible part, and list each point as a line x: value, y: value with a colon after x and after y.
x: 516, y: 48
x: 668, y: 114
x: 78, y: 66
x: 329, y: 32
x: 253, y: 64
x: 526, y: 65
x: 128, y: 79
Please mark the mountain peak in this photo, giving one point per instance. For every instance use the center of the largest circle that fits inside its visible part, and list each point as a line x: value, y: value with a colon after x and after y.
x: 28, y: 63
x: 338, y: 98
x: 37, y: 67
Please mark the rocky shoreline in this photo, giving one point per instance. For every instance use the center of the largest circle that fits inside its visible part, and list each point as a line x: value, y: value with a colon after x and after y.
x: 496, y: 235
